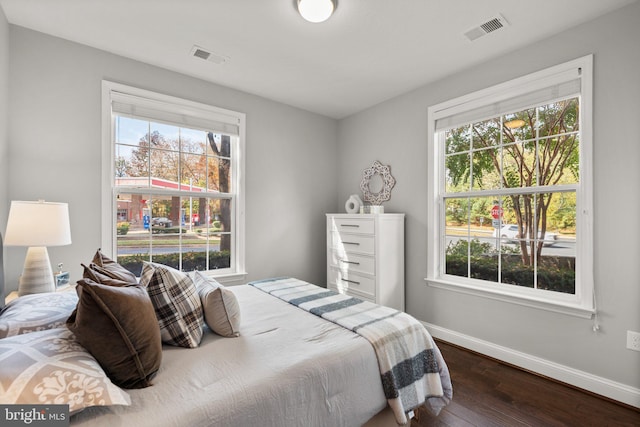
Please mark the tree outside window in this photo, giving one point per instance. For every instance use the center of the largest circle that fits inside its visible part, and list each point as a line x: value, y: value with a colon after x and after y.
x: 526, y: 163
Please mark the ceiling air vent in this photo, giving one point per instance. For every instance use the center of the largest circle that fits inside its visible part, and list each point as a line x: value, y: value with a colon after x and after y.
x: 202, y: 53
x: 490, y: 26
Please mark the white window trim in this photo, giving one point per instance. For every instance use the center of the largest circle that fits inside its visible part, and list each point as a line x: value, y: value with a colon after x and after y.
x: 237, y: 272
x: 582, y: 304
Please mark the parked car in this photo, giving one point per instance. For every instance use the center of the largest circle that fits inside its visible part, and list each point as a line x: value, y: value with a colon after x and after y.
x: 510, y: 232
x: 161, y: 222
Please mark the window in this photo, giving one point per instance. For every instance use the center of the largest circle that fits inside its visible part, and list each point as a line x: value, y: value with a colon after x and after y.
x: 511, y: 191
x: 172, y: 182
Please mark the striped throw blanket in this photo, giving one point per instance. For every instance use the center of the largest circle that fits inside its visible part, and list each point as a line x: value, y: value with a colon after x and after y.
x: 411, y: 366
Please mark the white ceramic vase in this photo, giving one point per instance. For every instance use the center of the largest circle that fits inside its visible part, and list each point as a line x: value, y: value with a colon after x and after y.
x: 352, y: 206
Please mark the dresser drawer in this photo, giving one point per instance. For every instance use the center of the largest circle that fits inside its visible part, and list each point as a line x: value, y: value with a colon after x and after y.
x: 353, y: 225
x: 344, y: 242
x: 348, y: 282
x: 352, y: 262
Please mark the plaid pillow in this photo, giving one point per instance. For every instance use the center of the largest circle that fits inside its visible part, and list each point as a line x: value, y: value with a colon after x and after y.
x: 177, y: 305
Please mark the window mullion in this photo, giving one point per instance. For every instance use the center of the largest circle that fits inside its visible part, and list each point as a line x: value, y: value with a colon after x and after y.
x: 150, y: 155
x: 566, y: 188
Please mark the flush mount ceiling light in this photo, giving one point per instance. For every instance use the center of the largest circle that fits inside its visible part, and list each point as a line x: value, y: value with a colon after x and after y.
x: 316, y: 10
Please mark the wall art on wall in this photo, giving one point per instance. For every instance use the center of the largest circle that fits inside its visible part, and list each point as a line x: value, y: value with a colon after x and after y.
x: 377, y: 183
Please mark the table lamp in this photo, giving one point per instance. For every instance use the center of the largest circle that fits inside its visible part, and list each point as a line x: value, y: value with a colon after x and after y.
x: 37, y: 225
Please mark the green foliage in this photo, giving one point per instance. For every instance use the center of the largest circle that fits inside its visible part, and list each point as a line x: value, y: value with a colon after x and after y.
x: 215, y: 228
x: 457, y: 211
x: 158, y: 229
x: 554, y: 273
x: 122, y: 228
x: 563, y: 211
x: 190, y: 261
x: 474, y: 247
x: 459, y: 165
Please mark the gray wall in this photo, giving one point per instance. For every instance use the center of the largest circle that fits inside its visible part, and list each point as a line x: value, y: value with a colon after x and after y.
x: 55, y: 142
x: 4, y: 131
x: 395, y: 132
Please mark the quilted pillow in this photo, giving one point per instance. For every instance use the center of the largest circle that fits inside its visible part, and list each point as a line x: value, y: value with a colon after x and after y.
x: 118, y: 326
x: 177, y: 304
x: 108, y: 267
x: 220, y: 306
x: 50, y: 367
x: 36, y: 312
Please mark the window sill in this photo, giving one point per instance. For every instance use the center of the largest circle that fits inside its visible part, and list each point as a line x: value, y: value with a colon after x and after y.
x: 228, y: 279
x: 567, y: 308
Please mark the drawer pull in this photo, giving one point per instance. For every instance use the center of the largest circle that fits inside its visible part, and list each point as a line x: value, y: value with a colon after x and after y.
x: 350, y: 225
x: 350, y: 281
x: 351, y: 243
x: 350, y: 262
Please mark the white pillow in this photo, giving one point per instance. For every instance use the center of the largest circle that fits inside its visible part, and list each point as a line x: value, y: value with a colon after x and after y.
x: 50, y: 368
x: 36, y: 312
x: 221, y: 308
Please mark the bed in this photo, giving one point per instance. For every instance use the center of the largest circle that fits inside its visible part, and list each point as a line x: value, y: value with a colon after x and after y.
x: 286, y: 367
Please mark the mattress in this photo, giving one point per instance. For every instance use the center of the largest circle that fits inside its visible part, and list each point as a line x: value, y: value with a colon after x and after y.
x: 287, y: 368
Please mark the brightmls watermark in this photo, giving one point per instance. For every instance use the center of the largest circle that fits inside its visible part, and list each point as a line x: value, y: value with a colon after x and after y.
x: 34, y: 415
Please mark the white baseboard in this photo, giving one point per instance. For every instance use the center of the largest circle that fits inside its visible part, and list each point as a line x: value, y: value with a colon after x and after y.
x: 584, y: 380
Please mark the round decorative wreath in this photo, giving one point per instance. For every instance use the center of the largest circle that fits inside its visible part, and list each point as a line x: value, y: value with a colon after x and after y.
x: 388, y: 181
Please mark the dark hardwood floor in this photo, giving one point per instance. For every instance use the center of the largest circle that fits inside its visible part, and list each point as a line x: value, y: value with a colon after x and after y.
x: 489, y: 393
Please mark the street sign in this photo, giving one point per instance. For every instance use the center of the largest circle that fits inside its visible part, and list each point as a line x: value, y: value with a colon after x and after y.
x: 496, y: 223
x: 496, y: 211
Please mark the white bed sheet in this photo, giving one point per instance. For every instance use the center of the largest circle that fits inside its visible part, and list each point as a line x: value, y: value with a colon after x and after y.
x: 288, y: 368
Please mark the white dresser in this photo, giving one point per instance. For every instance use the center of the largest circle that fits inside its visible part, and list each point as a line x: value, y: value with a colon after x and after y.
x: 365, y: 257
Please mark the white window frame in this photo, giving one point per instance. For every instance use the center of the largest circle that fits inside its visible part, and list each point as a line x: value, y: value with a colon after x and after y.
x: 582, y: 303
x: 195, y: 112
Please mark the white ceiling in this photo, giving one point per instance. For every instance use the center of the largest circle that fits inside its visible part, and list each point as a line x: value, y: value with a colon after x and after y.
x: 367, y: 52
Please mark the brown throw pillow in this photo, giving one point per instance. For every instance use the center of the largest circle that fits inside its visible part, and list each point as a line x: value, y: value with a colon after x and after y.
x: 94, y: 273
x: 118, y: 326
x: 108, y: 267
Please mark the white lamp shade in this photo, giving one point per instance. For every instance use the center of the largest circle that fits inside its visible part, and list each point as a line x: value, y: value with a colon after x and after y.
x: 316, y: 10
x: 38, y: 224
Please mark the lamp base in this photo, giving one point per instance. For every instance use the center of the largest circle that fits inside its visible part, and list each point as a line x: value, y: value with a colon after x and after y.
x: 37, y: 275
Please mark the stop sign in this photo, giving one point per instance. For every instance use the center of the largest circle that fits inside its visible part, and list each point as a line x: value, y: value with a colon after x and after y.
x: 496, y: 211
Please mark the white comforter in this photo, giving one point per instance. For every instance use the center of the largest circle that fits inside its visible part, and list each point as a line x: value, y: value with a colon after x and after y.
x: 288, y: 368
